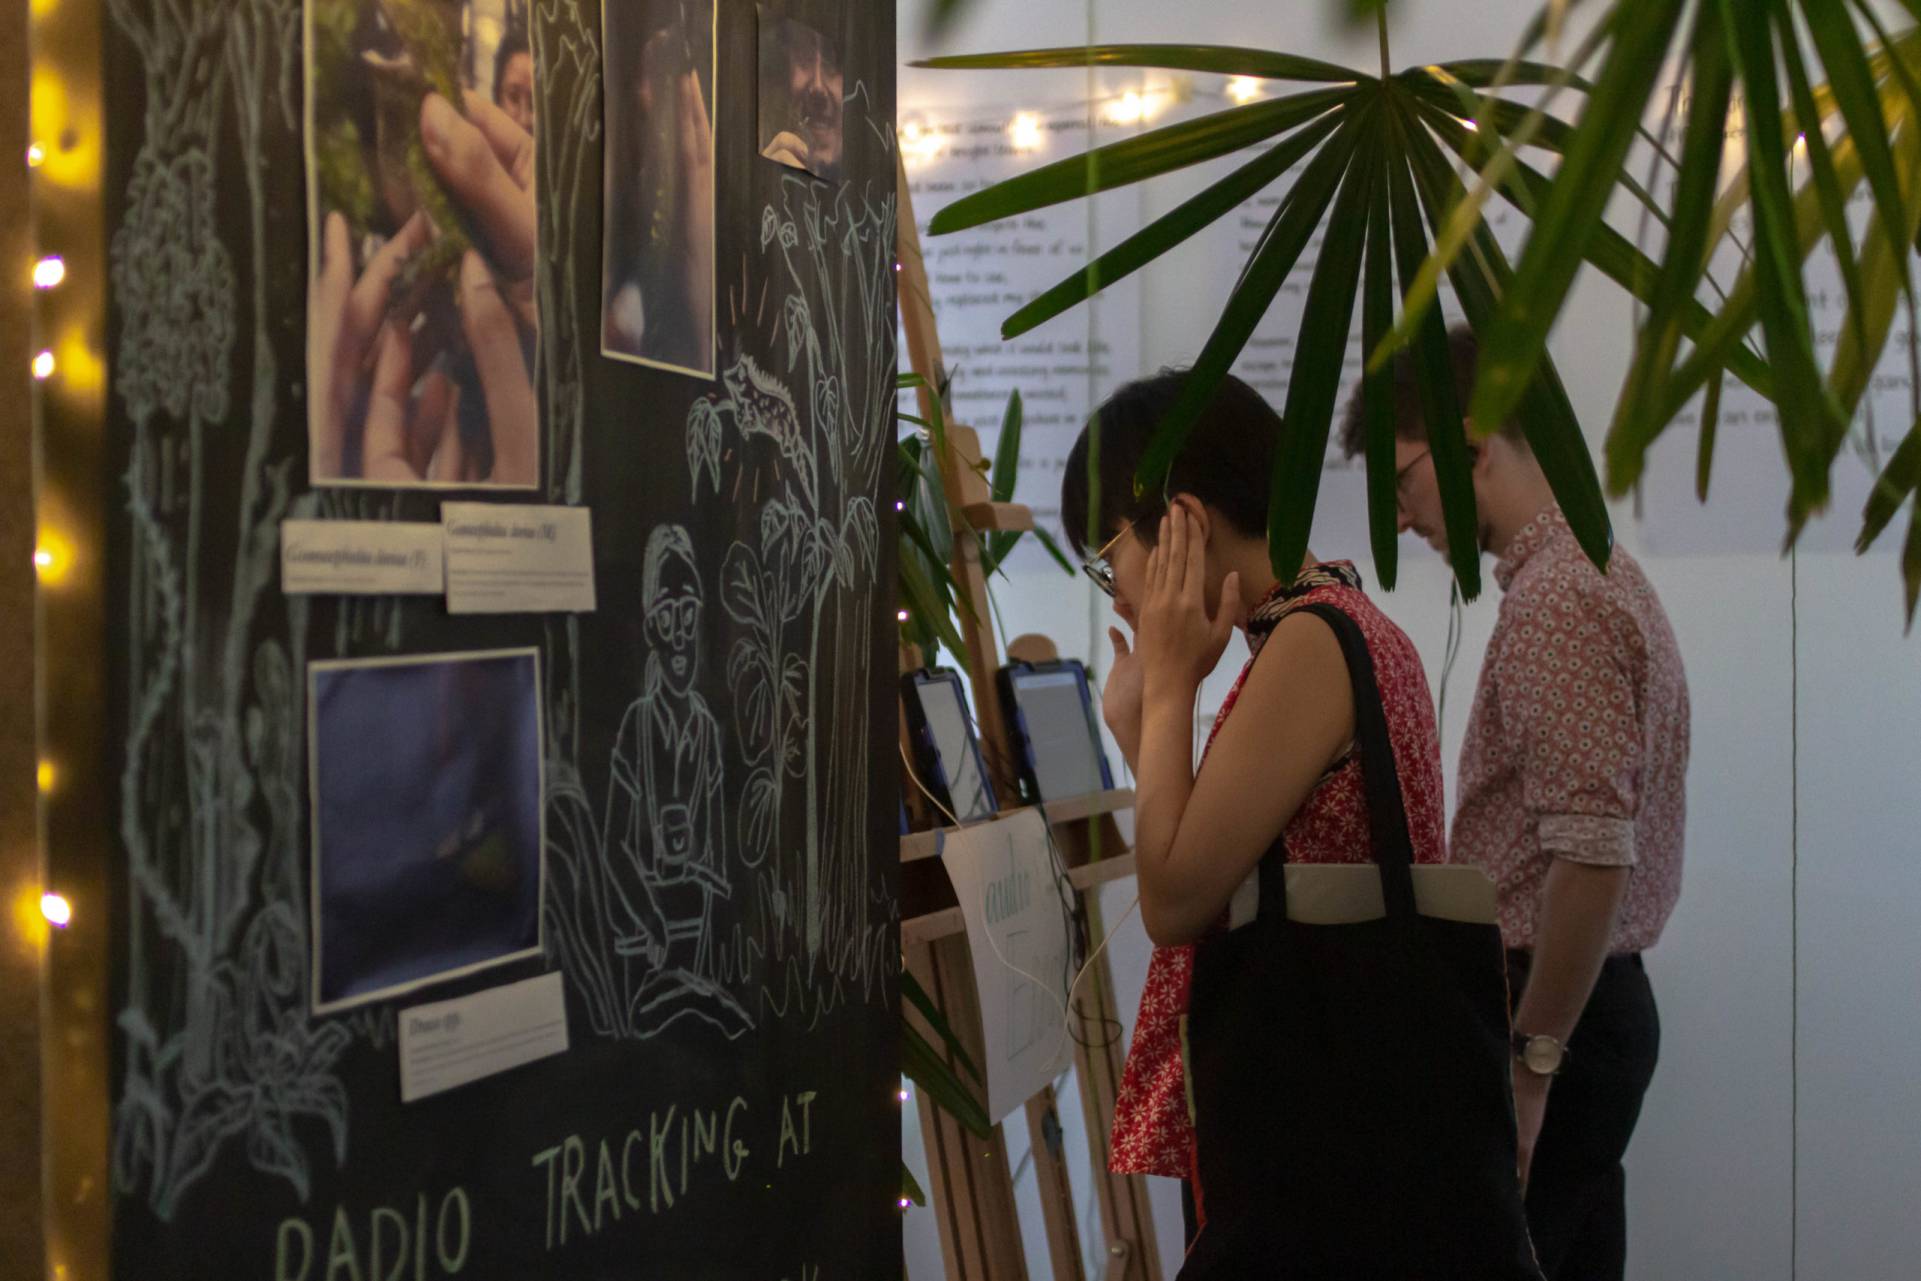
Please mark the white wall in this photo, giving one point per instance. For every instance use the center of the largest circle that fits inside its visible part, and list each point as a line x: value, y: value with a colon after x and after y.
x: 1761, y: 1154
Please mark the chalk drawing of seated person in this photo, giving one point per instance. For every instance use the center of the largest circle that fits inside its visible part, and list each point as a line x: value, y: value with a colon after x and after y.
x: 664, y: 826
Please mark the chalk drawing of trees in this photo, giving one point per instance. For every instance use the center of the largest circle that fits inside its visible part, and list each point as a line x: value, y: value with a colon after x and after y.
x: 219, y: 1051
x: 803, y: 589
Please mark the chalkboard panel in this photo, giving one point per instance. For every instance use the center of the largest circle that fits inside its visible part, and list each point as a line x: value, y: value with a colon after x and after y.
x: 717, y: 735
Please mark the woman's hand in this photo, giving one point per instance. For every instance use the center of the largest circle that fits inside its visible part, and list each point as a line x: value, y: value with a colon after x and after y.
x: 1121, y: 698
x: 1178, y: 644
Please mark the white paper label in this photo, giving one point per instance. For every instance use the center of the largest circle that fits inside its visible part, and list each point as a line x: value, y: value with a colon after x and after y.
x: 518, y: 559
x: 450, y: 1043
x: 1015, y: 906
x: 360, y: 557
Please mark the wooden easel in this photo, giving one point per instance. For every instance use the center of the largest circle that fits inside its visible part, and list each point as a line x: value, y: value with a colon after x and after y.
x: 972, y: 1188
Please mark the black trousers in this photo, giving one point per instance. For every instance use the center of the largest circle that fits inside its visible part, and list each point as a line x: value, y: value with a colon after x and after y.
x: 1577, y: 1187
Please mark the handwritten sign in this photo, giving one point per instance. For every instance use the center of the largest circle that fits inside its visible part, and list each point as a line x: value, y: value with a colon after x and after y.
x: 450, y: 1043
x: 353, y: 557
x: 1016, y: 904
x: 518, y: 559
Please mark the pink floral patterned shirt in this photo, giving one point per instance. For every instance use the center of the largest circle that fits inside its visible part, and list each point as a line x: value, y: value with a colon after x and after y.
x: 1577, y: 747
x: 1153, y: 1133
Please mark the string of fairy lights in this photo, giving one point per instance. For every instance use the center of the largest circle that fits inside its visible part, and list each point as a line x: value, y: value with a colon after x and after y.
x: 63, y: 164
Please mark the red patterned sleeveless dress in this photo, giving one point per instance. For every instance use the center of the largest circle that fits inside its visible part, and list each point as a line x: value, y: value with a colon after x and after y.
x: 1153, y: 1133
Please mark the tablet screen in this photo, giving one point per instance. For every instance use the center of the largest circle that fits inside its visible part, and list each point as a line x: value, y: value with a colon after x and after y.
x: 1059, y: 733
x: 953, y: 739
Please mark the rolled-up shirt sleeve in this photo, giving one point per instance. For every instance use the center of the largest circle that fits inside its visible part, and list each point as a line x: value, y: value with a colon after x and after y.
x: 1573, y: 696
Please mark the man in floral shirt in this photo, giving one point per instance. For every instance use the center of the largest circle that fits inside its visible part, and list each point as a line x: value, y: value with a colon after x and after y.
x: 1573, y: 799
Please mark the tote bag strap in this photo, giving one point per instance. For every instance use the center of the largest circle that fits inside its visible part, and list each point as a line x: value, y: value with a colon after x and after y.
x: 1386, y: 814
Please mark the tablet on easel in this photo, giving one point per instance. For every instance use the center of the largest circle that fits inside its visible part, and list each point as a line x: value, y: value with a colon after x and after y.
x: 947, y: 754
x: 1050, y: 706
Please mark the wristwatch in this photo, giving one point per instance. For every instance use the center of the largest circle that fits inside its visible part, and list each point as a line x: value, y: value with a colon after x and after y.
x: 1541, y: 1054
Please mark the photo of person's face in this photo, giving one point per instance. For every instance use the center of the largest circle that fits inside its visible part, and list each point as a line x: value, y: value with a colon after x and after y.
x: 814, y: 90
x: 514, y: 91
x: 802, y: 88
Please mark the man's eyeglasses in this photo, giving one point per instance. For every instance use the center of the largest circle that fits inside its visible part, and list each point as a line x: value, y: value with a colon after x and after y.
x: 1096, y: 566
x: 1400, y: 477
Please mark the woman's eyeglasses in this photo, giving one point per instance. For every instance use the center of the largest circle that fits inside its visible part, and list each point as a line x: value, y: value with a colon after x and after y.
x: 1096, y: 566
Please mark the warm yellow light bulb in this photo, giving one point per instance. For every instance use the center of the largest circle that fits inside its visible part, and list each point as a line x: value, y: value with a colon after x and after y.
x: 1128, y: 109
x: 49, y: 272
x: 56, y: 909
x: 1244, y: 89
x: 35, y: 155
x: 52, y: 557
x: 43, y: 366
x: 1025, y: 131
x: 46, y: 776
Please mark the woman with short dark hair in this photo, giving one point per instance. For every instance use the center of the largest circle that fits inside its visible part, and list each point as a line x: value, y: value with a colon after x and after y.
x: 1331, y: 684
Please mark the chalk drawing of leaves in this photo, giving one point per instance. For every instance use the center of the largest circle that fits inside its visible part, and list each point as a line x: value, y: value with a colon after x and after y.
x: 703, y: 443
x: 326, y: 1098
x: 769, y: 225
x: 776, y: 523
x: 272, y: 1149
x: 793, y: 697
x: 210, y: 1118
x: 788, y: 236
x: 141, y: 1123
x: 753, y: 689
x: 861, y: 532
x: 799, y: 325
x: 759, y: 809
x: 740, y: 587
x: 838, y: 555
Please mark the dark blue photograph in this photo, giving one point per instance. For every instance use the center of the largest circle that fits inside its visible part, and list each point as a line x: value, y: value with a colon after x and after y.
x: 426, y: 820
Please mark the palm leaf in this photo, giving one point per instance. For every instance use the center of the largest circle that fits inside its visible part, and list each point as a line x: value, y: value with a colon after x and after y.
x: 1808, y: 415
x: 1546, y: 413
x: 1007, y: 451
x: 917, y: 997
x: 1226, y: 60
x: 1616, y: 258
x: 1687, y: 254
x: 1054, y: 550
x: 1440, y: 406
x: 1911, y: 564
x: 1570, y: 214
x: 910, y: 1190
x: 1293, y: 225
x: 1852, y: 83
x: 1170, y: 229
x: 1710, y: 421
x: 923, y: 1065
x: 1377, y: 385
x: 1892, y: 487
x: 1132, y: 160
x: 1315, y: 380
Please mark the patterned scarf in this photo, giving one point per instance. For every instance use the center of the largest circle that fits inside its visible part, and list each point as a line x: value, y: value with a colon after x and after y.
x: 1280, y: 601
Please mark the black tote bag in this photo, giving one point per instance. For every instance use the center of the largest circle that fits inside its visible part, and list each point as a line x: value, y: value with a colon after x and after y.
x: 1352, y: 1104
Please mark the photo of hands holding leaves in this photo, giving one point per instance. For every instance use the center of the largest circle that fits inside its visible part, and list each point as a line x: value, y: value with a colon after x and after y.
x: 421, y: 308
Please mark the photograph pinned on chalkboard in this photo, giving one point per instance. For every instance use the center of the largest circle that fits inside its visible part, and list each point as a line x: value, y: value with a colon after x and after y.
x: 421, y: 315
x: 428, y: 839
x: 657, y: 247
x: 801, y: 92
